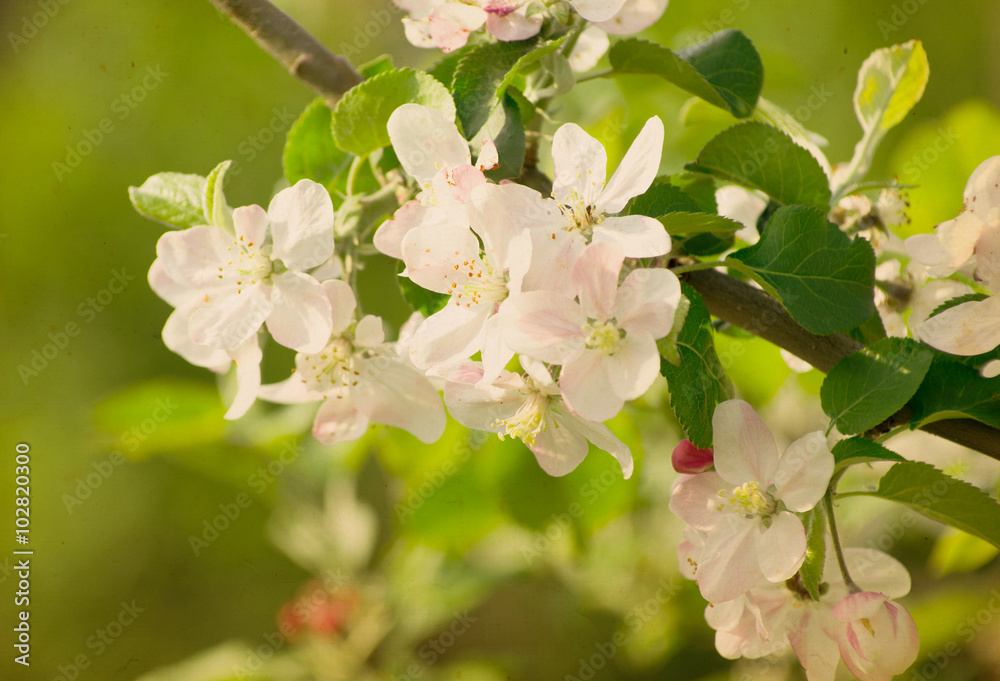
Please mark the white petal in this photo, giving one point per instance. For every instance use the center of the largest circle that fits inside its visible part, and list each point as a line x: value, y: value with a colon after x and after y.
x: 580, y: 164
x: 553, y: 255
x: 804, y: 472
x: 560, y: 448
x: 290, y: 391
x: 741, y: 205
x: 968, y: 329
x: 451, y: 24
x: 247, y: 358
x: 448, y: 336
x: 595, y: 279
x: 782, y: 548
x: 342, y: 304
x: 227, y: 318
x: 388, y: 237
x: 177, y: 338
x: 634, y: 16
x: 495, y: 352
x: 418, y: 33
x: 302, y: 225
x: 597, y: 10
x: 301, y: 318
x: 988, y: 255
x: 166, y: 288
x: 250, y: 224
x: 982, y: 191
x: 513, y: 26
x: 192, y: 257
x: 339, y: 420
x: 639, y: 236
x: 634, y: 365
x: 587, y: 388
x: 744, y: 446
x: 729, y: 565
x: 694, y: 499
x: 481, y: 407
x: 425, y: 141
x: 394, y: 394
x: 602, y: 438
x: 637, y: 169
x: 647, y: 301
x: 589, y: 48
x: 873, y: 570
x: 433, y: 253
x: 545, y: 325
x: 369, y: 332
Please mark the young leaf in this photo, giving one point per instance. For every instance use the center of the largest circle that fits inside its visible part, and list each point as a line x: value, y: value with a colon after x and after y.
x: 758, y: 156
x: 679, y: 212
x: 483, y: 75
x: 954, y: 390
x: 942, y: 498
x: 811, y: 571
x: 890, y: 83
x: 689, y: 224
x: 856, y: 450
x: 724, y: 69
x: 310, y: 150
x: 699, y: 383
x: 865, y: 388
x: 217, y: 210
x: 359, y: 121
x: 823, y: 278
x: 506, y: 129
x: 175, y: 199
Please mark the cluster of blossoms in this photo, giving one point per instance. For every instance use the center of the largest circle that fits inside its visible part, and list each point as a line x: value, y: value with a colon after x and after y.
x: 447, y: 24
x: 745, y: 543
x: 554, y: 281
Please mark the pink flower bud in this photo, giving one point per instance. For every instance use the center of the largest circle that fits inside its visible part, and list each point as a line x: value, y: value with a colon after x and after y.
x: 689, y: 459
x: 879, y: 639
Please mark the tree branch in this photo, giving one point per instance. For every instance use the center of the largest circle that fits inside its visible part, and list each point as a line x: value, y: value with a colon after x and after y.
x: 753, y: 310
x: 284, y: 39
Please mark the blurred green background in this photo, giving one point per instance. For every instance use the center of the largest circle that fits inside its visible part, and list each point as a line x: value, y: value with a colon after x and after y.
x: 143, y: 87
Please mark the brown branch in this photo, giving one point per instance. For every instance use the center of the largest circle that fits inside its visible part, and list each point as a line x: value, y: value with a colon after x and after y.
x: 284, y: 39
x: 751, y: 309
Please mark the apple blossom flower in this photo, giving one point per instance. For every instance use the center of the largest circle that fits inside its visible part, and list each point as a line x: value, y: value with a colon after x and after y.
x: 529, y: 407
x: 633, y: 16
x: 879, y: 639
x: 360, y: 379
x: 445, y: 24
x: 746, y: 507
x: 606, y: 342
x: 590, y: 206
x: 686, y: 458
x: 743, y: 206
x: 256, y: 276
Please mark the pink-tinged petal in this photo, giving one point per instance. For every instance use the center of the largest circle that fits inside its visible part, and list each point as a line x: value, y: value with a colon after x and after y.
x: 393, y: 394
x: 481, y: 407
x: 339, y: 420
x: 292, y: 390
x: 545, y: 325
x: 637, y: 169
x: 689, y: 553
x: 491, y: 220
x: 782, y: 547
x: 513, y: 26
x: 589, y: 48
x: 302, y: 315
x: 695, y: 500
x: 418, y: 33
x: 954, y: 243
x: 804, y: 472
x: 302, y: 225
x: 816, y: 649
x: 247, y: 358
x: 639, y: 236
x: 192, y: 257
x: 880, y: 638
x: 982, y: 191
x: 744, y: 446
x: 634, y: 365
x: 968, y: 329
x: 495, y: 353
x: 580, y: 165
x: 859, y: 605
x: 432, y: 255
x: 634, y: 16
x: 602, y: 438
x: 448, y: 336
x: 451, y: 24
x: 595, y: 279
x: 587, y: 388
x: 166, y: 288
x: 597, y: 10
x: 342, y: 304
x: 250, y: 224
x: 489, y: 157
x: 726, y: 616
x: 729, y: 561
x: 647, y: 301
x: 369, y: 332
x: 228, y: 317
x: 553, y: 256
x: 686, y: 458
x: 559, y: 449
x: 425, y: 141
x: 388, y: 237
x: 988, y: 255
x: 177, y: 338
x: 539, y: 373
x: 517, y: 263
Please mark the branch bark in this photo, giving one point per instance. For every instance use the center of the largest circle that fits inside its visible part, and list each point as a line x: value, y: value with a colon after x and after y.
x: 284, y: 39
x: 753, y: 310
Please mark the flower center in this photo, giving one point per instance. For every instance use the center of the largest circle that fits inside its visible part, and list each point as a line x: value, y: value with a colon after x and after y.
x: 748, y: 500
x: 530, y: 419
x: 329, y: 370
x: 248, y: 264
x: 603, y: 336
x: 476, y: 282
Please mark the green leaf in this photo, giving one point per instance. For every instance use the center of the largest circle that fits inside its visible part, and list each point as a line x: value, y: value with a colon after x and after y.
x: 359, y: 121
x: 662, y: 198
x: 953, y: 302
x: 942, y: 498
x: 483, y: 75
x: 175, y: 199
x: 699, y: 383
x: 724, y: 69
x: 688, y: 224
x: 823, y: 278
x: 310, y: 150
x: 420, y: 299
x: 811, y: 571
x: 758, y: 156
x: 506, y: 129
x: 954, y: 390
x: 869, y: 386
x: 857, y: 450
x: 890, y: 83
x: 444, y: 70
x: 216, y: 209
x: 376, y: 66
x: 869, y: 332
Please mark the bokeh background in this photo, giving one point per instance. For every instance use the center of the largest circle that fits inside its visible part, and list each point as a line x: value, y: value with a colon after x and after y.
x: 458, y: 560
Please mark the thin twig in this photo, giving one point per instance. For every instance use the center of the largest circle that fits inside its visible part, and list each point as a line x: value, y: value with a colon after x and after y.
x: 284, y: 39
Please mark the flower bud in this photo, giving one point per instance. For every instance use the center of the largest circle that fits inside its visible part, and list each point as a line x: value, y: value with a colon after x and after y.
x: 689, y: 459
x: 879, y: 639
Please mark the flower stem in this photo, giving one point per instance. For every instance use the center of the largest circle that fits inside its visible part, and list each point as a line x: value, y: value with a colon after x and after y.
x: 828, y: 500
x: 597, y: 74
x: 698, y: 266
